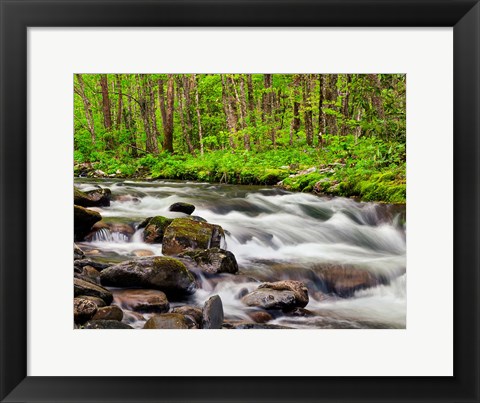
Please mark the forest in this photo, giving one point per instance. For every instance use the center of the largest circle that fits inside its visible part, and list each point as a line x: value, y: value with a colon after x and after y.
x: 333, y: 134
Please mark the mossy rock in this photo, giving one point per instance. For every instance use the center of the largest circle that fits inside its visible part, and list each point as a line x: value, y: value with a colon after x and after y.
x: 185, y: 234
x: 155, y: 229
x: 158, y: 273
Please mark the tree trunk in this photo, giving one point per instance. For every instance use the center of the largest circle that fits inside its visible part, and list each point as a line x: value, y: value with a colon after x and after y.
x: 168, y: 128
x: 321, y: 114
x: 241, y: 100
x: 227, y: 108
x: 144, y: 84
x: 376, y: 95
x: 268, y: 102
x: 197, y: 107
x: 331, y: 99
x: 296, y: 105
x: 181, y: 112
x: 345, y: 105
x: 107, y: 114
x: 80, y: 90
x: 307, y: 108
x: 120, y: 101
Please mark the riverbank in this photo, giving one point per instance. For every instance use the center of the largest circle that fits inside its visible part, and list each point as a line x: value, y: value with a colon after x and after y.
x: 366, y: 169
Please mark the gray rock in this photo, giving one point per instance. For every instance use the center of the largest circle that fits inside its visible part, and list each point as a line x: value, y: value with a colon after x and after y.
x: 213, y: 313
x: 158, y: 273
x: 181, y: 207
x: 93, y: 198
x: 286, y: 294
x: 77, y: 252
x: 213, y: 261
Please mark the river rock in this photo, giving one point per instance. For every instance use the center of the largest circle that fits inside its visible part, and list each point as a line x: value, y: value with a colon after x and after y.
x: 212, y: 317
x: 155, y: 228
x: 92, y: 198
x: 83, y: 221
x: 181, y: 207
x: 286, y: 294
x: 111, y: 312
x: 97, y: 301
x: 159, y: 273
x: 169, y: 321
x: 194, y: 312
x: 146, y: 301
x: 345, y: 280
x: 249, y: 325
x: 143, y: 253
x: 213, y: 261
x: 82, y: 287
x: 88, y: 273
x: 185, y: 234
x: 260, y: 316
x: 83, y: 310
x: 79, y: 264
x: 106, y: 324
x: 77, y: 252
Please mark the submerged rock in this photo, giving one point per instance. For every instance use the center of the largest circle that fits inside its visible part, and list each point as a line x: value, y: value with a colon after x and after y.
x: 83, y: 310
x: 345, y: 280
x: 286, y: 294
x: 260, y: 316
x: 106, y: 324
x: 181, y: 207
x: 155, y: 229
x: 213, y: 261
x: 92, y: 198
x: 83, y: 221
x: 111, y: 312
x: 169, y: 321
x: 184, y: 234
x: 146, y: 301
x: 212, y: 317
x: 159, y: 273
x: 82, y: 287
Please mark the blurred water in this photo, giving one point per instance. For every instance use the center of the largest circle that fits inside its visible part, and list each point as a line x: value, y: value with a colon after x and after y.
x: 276, y: 235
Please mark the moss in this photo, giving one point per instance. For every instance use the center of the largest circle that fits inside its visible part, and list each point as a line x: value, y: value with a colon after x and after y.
x: 155, y: 229
x: 160, y: 221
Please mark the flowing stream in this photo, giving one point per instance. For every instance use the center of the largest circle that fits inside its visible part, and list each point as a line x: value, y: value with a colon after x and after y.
x: 274, y: 235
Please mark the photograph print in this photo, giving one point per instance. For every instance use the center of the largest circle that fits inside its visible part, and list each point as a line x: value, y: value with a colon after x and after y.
x: 239, y: 201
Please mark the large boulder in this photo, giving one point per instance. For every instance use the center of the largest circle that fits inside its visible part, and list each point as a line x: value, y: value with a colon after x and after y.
x: 106, y: 324
x: 159, y: 273
x: 213, y: 313
x: 83, y: 310
x: 285, y: 295
x: 92, y: 198
x: 83, y: 221
x: 212, y: 261
x: 155, y: 228
x: 169, y: 321
x: 145, y: 301
x: 82, y: 287
x: 181, y: 207
x: 186, y: 234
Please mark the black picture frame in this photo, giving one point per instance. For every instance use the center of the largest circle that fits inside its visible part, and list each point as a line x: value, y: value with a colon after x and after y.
x: 18, y: 15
